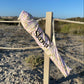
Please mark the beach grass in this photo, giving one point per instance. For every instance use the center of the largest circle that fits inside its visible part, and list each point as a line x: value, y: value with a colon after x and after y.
x: 63, y: 27
x: 76, y: 29
x: 34, y: 60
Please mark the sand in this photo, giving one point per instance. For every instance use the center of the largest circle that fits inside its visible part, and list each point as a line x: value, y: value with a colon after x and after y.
x: 14, y: 69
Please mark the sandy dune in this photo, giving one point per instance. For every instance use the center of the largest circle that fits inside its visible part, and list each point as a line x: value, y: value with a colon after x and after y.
x: 14, y: 69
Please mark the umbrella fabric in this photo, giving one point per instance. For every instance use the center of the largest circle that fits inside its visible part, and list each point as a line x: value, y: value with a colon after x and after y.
x: 32, y: 27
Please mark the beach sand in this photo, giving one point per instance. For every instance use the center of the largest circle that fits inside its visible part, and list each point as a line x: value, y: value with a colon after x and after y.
x: 14, y: 69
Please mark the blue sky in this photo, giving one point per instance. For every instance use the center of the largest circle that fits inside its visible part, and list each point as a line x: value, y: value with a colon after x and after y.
x: 38, y: 8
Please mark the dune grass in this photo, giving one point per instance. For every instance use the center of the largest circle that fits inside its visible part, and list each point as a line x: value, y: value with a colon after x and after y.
x: 34, y: 60
x: 61, y: 27
x: 69, y: 28
x: 76, y: 29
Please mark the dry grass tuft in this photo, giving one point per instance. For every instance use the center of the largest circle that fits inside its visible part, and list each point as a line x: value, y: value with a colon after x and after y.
x: 34, y: 60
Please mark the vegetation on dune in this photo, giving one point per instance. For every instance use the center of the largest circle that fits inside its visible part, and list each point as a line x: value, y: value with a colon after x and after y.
x: 76, y: 19
x: 60, y: 27
x: 34, y: 60
x: 8, y: 18
x: 42, y: 24
x: 70, y: 28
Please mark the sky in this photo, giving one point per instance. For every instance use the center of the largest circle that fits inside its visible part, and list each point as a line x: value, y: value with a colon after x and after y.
x: 38, y: 8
